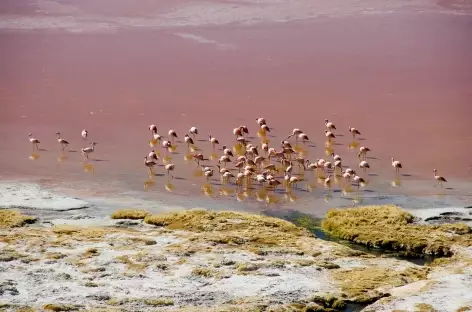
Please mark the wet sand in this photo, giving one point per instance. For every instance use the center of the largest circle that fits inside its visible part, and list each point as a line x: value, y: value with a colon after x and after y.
x: 402, y: 78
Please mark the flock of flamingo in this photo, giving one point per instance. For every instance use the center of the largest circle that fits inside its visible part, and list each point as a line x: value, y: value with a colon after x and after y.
x: 256, y: 164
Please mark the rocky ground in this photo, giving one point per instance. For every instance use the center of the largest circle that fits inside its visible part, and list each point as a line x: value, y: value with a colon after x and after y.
x: 216, y: 261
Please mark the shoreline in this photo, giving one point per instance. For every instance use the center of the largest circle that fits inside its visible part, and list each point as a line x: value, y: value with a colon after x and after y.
x: 35, y: 195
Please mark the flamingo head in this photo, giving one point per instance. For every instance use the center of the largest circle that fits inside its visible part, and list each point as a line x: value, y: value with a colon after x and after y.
x: 29, y: 134
x: 326, y: 121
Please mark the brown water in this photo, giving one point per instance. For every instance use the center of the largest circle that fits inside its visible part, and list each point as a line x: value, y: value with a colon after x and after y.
x: 401, y: 73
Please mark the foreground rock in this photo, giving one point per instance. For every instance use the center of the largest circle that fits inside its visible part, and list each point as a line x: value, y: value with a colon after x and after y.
x: 392, y: 228
x: 200, y: 260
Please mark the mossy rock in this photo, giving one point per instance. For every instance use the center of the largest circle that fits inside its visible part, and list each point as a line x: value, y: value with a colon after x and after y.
x: 60, y: 307
x: 133, y: 214
x: 361, y: 284
x: 159, y: 302
x: 203, y: 272
x: 392, y: 228
x: 234, y: 228
x: 326, y: 265
x: 13, y: 218
x: 424, y: 307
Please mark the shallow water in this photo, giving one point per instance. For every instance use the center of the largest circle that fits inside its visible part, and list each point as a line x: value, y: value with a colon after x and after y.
x: 400, y: 72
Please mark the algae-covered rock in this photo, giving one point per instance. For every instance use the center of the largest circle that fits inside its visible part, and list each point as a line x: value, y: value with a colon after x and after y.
x: 392, y: 228
x: 134, y: 214
x: 366, y: 284
x: 13, y: 218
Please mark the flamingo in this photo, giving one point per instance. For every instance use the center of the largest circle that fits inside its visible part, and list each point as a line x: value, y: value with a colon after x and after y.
x: 397, y: 165
x: 265, y: 128
x: 244, y: 130
x: 338, y: 165
x: 242, y: 158
x: 327, y: 183
x: 61, y: 141
x: 227, y: 151
x: 205, y: 169
x: 330, y: 135
x: 261, y: 121
x: 354, y: 132
x: 169, y: 168
x: 363, y: 151
x: 227, y: 176
x: 293, y: 180
x: 153, y: 156
x: 346, y: 176
x: 259, y: 160
x: 265, y: 147
x: 295, y: 132
x: 303, y: 137
x: 270, y: 167
x: 33, y: 141
x: 87, y: 150
x: 150, y: 164
x: 193, y: 131
x: 198, y: 158
x: 153, y: 128
x: 224, y: 159
x: 311, y: 166
x: 274, y: 183
x: 336, y: 157
x: 252, y: 150
x: 261, y: 179
x: 286, y: 144
x: 238, y: 132
x: 364, y: 165
x: 166, y: 145
x: 439, y: 179
x: 350, y: 171
x: 155, y: 135
x: 213, y: 141
x: 357, y: 179
x: 271, y: 153
x: 172, y: 135
x: 239, y: 178
x: 84, y: 134
x: 222, y: 170
x: 329, y: 125
x: 188, y: 140
x: 239, y: 165
x: 208, y: 174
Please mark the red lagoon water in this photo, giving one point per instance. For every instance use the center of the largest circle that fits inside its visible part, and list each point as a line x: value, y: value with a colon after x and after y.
x: 403, y: 79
